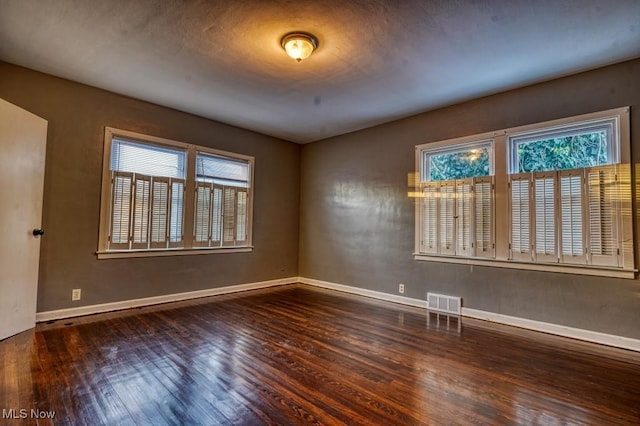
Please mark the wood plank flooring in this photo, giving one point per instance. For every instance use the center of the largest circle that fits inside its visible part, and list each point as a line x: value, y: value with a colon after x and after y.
x: 298, y: 355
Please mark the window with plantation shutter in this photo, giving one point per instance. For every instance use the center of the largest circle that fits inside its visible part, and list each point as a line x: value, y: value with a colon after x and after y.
x: 223, y: 221
x: 141, y: 176
x: 453, y: 219
x: 146, y: 203
x: 553, y: 196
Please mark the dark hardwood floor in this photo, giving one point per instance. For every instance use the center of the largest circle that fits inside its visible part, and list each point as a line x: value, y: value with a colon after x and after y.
x: 297, y: 355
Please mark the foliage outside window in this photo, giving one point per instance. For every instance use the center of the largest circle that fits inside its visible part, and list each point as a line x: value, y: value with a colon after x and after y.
x: 570, y: 147
x: 458, y: 162
x: 560, y: 197
x: 155, y: 203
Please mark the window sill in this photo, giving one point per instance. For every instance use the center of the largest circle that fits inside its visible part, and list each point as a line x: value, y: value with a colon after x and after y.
x: 121, y: 254
x: 546, y: 267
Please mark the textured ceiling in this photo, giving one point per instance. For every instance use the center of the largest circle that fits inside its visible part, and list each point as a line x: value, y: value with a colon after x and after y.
x: 377, y: 60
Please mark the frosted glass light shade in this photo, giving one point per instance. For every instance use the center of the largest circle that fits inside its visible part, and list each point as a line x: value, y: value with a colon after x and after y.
x: 299, y: 46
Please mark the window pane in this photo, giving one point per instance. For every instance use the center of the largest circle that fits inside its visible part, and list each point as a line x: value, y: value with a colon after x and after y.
x: 222, y: 171
x: 562, y: 153
x: 459, y: 164
x: 146, y: 159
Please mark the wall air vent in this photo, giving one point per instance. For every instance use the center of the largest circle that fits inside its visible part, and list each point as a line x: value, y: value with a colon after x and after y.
x: 442, y: 303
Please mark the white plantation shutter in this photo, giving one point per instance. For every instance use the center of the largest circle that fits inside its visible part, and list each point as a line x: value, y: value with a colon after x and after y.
x: 176, y: 213
x: 446, y: 215
x: 159, y: 212
x: 141, y: 210
x: 121, y: 190
x: 483, y: 192
x: 429, y: 219
x: 572, y: 224
x: 544, y: 184
x: 603, y: 216
x: 216, y: 216
x: 202, y: 219
x: 520, y: 202
x: 241, y: 216
x: 229, y: 217
x: 464, y: 222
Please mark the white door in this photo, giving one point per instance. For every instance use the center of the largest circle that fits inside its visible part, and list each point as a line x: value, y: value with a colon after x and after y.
x: 23, y: 138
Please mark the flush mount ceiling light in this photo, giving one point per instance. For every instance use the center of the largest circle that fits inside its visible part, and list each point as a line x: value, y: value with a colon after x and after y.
x: 299, y: 45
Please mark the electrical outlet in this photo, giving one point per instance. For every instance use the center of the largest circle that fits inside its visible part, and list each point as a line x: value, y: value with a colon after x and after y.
x: 76, y: 293
x: 401, y: 288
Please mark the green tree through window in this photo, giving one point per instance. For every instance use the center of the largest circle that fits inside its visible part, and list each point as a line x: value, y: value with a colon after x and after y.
x: 460, y: 164
x: 562, y: 153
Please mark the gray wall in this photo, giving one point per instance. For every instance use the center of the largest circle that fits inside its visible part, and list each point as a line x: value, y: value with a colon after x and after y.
x: 357, y: 222
x: 77, y: 115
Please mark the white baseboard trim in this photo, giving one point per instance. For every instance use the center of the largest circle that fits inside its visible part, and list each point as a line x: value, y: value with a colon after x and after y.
x: 559, y: 330
x: 155, y: 300
x: 364, y: 292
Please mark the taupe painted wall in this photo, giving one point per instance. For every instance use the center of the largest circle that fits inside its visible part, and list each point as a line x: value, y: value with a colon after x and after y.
x: 77, y: 115
x: 357, y: 222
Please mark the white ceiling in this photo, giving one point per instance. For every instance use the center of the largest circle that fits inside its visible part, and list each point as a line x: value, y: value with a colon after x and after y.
x: 377, y: 60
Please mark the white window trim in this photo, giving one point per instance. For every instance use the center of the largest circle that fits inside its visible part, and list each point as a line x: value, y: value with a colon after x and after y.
x: 188, y: 215
x: 501, y: 153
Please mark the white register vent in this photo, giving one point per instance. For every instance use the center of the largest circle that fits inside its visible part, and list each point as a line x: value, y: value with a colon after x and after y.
x: 443, y: 303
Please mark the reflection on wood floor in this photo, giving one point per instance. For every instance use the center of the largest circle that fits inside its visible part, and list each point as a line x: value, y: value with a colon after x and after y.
x: 297, y: 355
